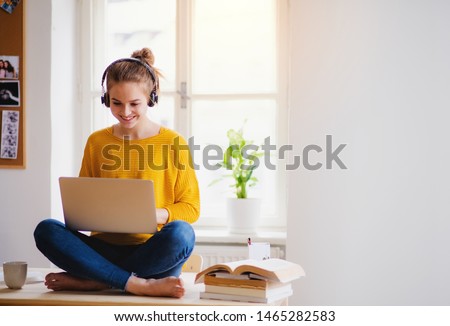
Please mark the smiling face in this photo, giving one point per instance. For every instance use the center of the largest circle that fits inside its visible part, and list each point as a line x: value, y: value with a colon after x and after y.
x: 128, y: 104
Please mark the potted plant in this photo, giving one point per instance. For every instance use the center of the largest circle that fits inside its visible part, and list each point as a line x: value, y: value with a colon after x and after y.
x: 241, y: 159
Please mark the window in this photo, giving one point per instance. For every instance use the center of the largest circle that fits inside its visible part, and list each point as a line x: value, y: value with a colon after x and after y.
x: 223, y: 63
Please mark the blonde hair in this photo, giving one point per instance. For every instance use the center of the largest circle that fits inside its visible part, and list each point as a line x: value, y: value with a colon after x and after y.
x: 129, y: 71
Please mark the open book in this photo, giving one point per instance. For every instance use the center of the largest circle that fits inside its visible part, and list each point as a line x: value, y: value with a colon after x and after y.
x: 273, y: 269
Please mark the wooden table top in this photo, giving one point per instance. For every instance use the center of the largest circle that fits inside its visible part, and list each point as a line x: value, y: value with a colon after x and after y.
x: 34, y: 293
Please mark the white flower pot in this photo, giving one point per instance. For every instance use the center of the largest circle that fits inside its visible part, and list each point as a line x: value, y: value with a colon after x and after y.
x: 243, y: 215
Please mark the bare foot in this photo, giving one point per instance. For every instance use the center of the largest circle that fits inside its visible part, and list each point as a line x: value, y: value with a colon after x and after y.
x: 164, y: 287
x: 64, y: 281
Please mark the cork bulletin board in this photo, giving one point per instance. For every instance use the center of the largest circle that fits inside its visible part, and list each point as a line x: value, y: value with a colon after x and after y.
x: 12, y: 77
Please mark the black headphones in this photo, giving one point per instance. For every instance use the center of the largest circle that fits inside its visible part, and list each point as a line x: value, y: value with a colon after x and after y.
x: 153, y: 94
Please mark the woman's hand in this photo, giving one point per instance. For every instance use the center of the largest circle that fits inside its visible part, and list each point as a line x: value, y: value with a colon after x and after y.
x: 162, y: 215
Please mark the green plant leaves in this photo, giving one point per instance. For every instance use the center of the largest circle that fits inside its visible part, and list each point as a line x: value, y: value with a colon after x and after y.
x: 241, y: 158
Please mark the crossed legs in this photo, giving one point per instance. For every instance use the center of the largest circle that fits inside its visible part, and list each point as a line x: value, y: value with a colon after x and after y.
x: 91, y: 264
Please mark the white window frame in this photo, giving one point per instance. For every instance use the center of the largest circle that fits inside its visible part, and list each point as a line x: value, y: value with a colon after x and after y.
x: 91, y: 68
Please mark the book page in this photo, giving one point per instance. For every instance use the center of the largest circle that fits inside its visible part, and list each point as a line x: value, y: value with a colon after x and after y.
x: 272, y: 265
x: 276, y: 269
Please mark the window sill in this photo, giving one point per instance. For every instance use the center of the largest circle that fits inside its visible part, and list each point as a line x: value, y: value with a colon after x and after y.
x: 222, y: 236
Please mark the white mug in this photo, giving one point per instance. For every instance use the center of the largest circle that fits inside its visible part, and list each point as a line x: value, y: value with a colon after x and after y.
x: 15, y: 274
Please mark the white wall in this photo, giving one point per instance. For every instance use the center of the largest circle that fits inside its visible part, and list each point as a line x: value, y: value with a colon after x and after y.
x: 375, y: 75
x: 65, y: 112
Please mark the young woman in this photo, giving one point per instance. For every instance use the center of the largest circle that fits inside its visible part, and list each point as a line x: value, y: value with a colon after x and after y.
x: 143, y: 264
x: 2, y: 69
x: 9, y: 69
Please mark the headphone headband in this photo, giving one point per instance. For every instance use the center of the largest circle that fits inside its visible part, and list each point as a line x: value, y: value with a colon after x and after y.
x: 149, y: 69
x: 153, y: 94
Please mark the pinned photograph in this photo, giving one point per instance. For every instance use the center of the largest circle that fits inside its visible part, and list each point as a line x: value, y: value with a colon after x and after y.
x: 10, y: 134
x: 9, y: 93
x: 9, y: 67
x: 9, y: 5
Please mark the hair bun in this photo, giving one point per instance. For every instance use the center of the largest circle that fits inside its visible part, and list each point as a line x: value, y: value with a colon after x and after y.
x: 145, y: 55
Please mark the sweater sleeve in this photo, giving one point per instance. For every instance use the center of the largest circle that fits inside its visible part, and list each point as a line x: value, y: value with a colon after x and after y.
x: 186, y: 206
x: 86, y: 164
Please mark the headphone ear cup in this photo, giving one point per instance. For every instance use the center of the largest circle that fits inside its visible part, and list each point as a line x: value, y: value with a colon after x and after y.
x: 105, y: 99
x: 153, y: 98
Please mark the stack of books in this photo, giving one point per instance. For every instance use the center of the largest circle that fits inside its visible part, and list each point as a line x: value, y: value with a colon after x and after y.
x: 258, y: 281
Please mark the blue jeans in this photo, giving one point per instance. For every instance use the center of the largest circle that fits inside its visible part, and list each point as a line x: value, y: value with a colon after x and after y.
x: 88, y: 257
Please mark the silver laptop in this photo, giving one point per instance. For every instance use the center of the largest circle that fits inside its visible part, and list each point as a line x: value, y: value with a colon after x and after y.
x: 108, y: 204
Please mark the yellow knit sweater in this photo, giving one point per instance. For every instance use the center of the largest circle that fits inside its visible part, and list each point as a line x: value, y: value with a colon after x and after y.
x: 164, y: 158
